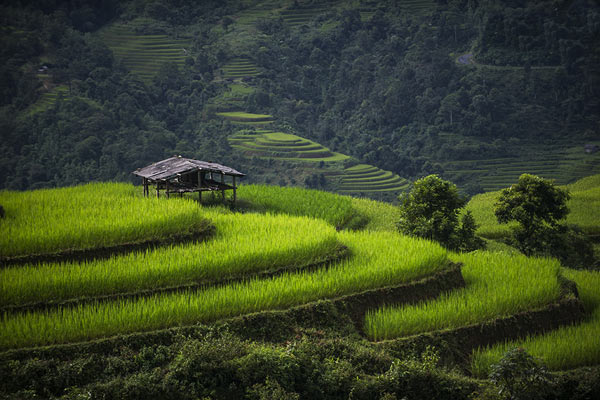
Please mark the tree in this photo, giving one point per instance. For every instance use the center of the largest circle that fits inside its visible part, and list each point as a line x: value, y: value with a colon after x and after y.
x: 431, y: 210
x: 537, y: 205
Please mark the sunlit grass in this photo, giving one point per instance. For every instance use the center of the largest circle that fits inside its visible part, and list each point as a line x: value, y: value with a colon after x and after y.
x: 564, y: 348
x: 497, y: 285
x: 379, y: 260
x: 243, y: 244
x: 335, y: 209
x: 90, y: 216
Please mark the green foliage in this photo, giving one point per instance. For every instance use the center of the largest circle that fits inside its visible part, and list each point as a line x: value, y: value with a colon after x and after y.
x: 584, y: 205
x: 532, y: 202
x: 519, y: 376
x: 431, y: 211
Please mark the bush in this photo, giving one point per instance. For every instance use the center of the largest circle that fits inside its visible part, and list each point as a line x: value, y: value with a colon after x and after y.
x: 518, y: 375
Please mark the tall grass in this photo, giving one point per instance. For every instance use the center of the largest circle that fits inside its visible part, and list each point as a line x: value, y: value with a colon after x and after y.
x: 497, y: 285
x: 567, y: 347
x: 381, y: 216
x: 243, y: 244
x: 380, y: 259
x: 335, y: 209
x: 90, y: 216
x: 584, y: 209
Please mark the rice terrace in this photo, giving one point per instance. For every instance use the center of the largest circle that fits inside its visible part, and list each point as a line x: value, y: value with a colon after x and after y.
x: 300, y: 199
x: 282, y: 265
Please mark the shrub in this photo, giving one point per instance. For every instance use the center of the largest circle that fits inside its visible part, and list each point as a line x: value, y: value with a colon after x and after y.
x: 518, y: 375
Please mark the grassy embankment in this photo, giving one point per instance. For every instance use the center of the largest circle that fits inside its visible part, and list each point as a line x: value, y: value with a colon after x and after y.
x: 243, y: 245
x: 378, y: 260
x: 362, y: 178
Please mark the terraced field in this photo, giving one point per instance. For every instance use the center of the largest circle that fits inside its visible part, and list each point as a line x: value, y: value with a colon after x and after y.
x: 234, y: 98
x: 239, y: 67
x: 284, y: 146
x: 303, y: 15
x: 47, y: 99
x: 262, y: 272
x: 269, y: 144
x: 584, y: 207
x: 247, y: 119
x: 418, y: 7
x: 367, y: 178
x: 254, y: 12
x: 563, y: 165
x: 127, y: 293
x: 144, y: 54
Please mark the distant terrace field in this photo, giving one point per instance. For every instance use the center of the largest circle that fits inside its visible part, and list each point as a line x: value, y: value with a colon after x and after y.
x: 284, y: 146
x: 144, y: 54
x: 367, y: 178
x: 239, y: 67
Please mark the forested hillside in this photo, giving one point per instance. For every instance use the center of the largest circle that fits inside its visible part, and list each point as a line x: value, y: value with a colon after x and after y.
x: 476, y: 91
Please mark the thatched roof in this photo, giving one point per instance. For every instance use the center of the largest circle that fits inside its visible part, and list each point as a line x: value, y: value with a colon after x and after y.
x: 174, y: 166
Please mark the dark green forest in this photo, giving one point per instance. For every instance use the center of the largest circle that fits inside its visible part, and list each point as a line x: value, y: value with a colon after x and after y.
x: 375, y: 80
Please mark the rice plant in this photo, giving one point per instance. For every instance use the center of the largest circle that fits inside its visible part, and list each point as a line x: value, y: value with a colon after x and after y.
x: 497, y: 285
x: 337, y: 210
x: 381, y: 216
x: 243, y: 244
x: 379, y: 259
x: 564, y: 348
x: 90, y: 216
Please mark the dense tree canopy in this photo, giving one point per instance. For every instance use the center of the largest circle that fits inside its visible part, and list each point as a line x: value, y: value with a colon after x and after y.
x: 431, y: 210
x: 382, y: 88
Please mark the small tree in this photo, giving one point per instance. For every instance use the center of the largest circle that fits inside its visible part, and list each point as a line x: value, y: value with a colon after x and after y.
x: 537, y: 205
x: 431, y: 211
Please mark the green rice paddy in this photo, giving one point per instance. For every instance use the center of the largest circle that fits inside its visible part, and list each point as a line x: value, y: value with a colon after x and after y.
x: 90, y: 216
x: 336, y: 210
x: 564, y: 348
x: 379, y: 260
x: 367, y: 178
x: 561, y: 161
x: 49, y: 98
x: 239, y: 67
x: 243, y: 244
x: 302, y: 232
x: 497, y: 285
x: 284, y: 146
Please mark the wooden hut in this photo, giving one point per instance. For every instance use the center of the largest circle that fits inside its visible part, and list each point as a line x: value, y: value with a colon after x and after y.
x: 184, y: 175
